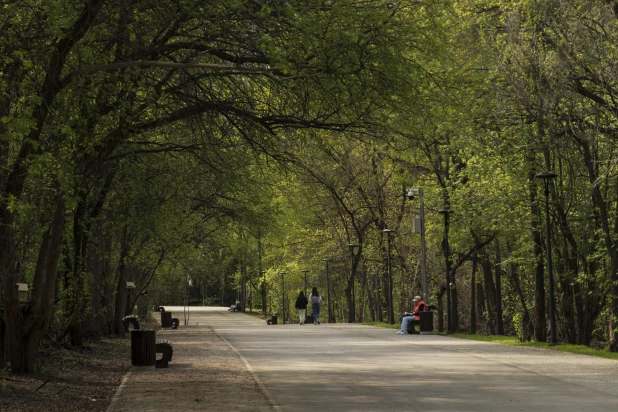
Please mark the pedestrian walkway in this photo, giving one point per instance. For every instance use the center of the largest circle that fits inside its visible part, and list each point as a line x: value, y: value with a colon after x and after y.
x: 343, y: 367
x: 205, y: 374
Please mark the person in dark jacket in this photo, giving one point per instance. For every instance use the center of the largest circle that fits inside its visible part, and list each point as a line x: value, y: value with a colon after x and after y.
x: 301, y: 305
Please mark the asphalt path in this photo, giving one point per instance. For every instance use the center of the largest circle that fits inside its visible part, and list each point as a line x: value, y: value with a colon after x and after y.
x: 344, y: 367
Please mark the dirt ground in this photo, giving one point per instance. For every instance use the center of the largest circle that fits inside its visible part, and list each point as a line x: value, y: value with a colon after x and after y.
x: 69, y: 379
x: 205, y: 374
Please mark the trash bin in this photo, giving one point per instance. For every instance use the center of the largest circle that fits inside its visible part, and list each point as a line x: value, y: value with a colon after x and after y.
x: 426, y: 323
x: 143, y: 349
x: 166, y: 319
x: 309, y: 319
x: 273, y: 320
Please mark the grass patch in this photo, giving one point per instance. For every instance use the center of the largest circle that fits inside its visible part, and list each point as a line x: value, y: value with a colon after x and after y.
x: 561, y: 347
x: 512, y: 340
x: 382, y: 325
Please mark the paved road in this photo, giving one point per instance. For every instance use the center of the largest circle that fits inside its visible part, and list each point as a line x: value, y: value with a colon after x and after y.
x: 342, y: 367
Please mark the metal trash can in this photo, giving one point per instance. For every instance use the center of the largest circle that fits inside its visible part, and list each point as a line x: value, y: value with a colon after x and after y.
x: 143, y: 349
x: 309, y: 319
x: 166, y: 319
x: 426, y: 323
x: 273, y: 320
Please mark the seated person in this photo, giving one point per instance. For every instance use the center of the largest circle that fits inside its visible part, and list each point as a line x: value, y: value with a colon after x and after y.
x: 419, y: 306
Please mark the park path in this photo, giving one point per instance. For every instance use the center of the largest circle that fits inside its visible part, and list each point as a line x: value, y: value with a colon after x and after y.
x: 231, y: 361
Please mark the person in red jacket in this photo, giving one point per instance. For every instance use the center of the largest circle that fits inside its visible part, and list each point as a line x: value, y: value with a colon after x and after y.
x: 419, y: 306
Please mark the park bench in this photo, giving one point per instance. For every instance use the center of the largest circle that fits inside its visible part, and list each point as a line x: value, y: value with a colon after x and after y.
x: 273, y: 319
x: 167, y: 351
x: 131, y: 320
x: 425, y: 323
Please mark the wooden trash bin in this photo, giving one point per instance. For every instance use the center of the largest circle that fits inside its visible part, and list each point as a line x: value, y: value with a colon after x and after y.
x: 426, y: 323
x: 143, y: 349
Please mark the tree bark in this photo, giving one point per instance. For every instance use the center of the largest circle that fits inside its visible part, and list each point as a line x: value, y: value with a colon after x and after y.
x: 121, y: 286
x: 498, y: 271
x: 608, y: 239
x: 473, y: 294
x: 440, y: 297
x: 527, y: 327
x: 26, y: 327
x: 490, y: 294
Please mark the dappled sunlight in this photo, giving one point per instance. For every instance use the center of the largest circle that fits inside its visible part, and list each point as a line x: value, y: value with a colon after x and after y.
x: 369, y: 367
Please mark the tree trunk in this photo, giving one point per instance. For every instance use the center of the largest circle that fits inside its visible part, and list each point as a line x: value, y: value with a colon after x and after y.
x: 540, y: 324
x: 2, y: 351
x: 454, y: 303
x: 610, y: 244
x: 440, y: 297
x: 498, y: 271
x: 121, y: 285
x: 527, y: 328
x: 473, y: 294
x: 490, y: 294
x: 25, y: 328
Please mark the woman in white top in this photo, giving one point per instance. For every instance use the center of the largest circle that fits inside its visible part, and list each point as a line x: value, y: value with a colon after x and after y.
x: 315, y: 299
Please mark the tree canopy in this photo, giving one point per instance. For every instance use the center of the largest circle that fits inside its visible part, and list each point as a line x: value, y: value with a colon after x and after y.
x: 199, y: 148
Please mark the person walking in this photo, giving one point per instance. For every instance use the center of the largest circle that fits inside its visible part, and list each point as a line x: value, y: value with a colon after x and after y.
x: 301, y: 305
x: 315, y: 299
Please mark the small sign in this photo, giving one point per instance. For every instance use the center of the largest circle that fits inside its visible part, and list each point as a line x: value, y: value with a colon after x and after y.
x: 22, y: 290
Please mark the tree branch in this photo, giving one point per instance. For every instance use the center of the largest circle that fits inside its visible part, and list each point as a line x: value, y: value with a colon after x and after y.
x: 170, y: 65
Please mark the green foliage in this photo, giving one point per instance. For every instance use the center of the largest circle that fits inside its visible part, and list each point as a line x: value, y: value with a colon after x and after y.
x: 197, y: 143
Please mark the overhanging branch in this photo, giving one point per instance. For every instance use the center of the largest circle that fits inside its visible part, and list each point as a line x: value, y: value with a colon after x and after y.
x: 171, y: 65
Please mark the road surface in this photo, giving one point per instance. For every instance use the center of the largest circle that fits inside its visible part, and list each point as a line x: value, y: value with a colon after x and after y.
x: 343, y: 367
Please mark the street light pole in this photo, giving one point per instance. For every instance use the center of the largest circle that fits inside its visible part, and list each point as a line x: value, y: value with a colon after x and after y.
x: 353, y: 305
x: 411, y: 194
x: 447, y: 251
x: 328, y: 292
x: 547, y: 176
x: 264, y: 311
x: 263, y: 272
x: 282, y: 296
x: 391, y: 311
x: 305, y: 288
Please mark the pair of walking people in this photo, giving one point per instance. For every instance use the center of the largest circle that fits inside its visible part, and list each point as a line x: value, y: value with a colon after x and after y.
x: 302, y: 302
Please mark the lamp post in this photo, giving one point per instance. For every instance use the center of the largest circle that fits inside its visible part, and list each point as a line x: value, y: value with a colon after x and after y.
x: 305, y: 288
x: 353, y: 305
x: 328, y: 292
x: 547, y: 176
x: 264, y: 293
x: 282, y: 296
x: 391, y: 312
x: 420, y: 227
x: 447, y: 251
